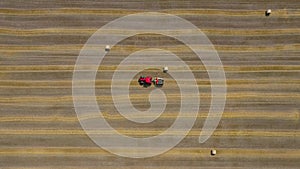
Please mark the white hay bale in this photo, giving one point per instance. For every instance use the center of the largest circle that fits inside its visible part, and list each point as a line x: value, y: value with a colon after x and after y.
x: 268, y: 12
x: 107, y: 48
x: 165, y: 69
x: 213, y: 152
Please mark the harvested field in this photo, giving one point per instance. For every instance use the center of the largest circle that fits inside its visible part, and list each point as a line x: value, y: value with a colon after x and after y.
x: 41, y: 40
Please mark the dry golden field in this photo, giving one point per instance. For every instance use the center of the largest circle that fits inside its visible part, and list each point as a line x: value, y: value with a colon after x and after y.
x: 41, y: 40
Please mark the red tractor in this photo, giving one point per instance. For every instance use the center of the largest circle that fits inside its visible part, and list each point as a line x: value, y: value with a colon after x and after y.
x: 147, y: 80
